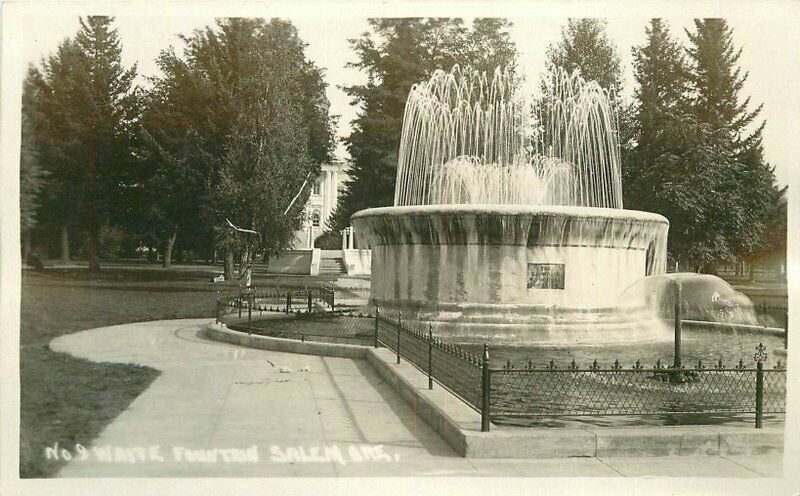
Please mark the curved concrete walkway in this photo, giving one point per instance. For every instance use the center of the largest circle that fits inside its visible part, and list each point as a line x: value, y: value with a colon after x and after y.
x: 223, y: 410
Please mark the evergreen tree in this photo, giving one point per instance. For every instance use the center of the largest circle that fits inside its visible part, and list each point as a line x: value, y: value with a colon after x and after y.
x: 58, y: 145
x: 716, y: 83
x: 585, y: 47
x: 661, y: 164
x: 32, y: 174
x: 91, y: 107
x: 396, y: 54
x: 110, y: 113
x: 662, y: 77
x: 717, y: 80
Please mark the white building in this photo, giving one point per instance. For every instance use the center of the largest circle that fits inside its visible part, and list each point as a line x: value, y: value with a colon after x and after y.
x: 321, y: 203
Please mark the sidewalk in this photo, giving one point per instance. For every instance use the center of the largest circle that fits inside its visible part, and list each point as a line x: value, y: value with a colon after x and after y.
x: 220, y: 410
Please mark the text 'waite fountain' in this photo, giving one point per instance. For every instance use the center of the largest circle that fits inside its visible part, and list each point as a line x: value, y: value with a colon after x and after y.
x: 508, y: 223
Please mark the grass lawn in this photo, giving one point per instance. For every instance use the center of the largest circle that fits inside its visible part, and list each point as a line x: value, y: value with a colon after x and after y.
x: 67, y: 400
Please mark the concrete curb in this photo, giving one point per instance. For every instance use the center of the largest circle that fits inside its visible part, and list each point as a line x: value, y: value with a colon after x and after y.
x: 459, y: 425
x: 220, y: 332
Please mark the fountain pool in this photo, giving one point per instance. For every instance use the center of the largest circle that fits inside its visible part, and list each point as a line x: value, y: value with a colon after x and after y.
x: 508, y: 223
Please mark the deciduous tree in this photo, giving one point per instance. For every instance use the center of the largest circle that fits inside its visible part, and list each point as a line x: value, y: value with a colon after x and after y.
x: 242, y: 117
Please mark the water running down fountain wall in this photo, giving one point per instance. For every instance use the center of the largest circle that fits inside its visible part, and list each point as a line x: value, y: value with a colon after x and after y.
x: 508, y: 221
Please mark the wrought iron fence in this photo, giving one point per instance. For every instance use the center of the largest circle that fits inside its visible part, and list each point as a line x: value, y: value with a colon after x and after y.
x: 327, y: 295
x: 258, y: 300
x: 571, y: 391
x: 337, y: 327
x: 456, y: 369
x: 506, y: 392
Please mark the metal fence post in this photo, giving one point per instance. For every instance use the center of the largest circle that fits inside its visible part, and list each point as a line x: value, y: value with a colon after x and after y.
x: 333, y: 298
x: 288, y: 300
x: 430, y: 356
x: 677, y: 360
x: 249, y: 318
x: 399, y: 325
x: 759, y: 394
x: 309, y: 300
x: 486, y: 386
x: 216, y: 309
x: 239, y: 304
x: 377, y: 314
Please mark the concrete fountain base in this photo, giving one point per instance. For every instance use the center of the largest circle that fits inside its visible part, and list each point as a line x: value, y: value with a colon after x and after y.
x: 531, y: 324
x: 546, y: 274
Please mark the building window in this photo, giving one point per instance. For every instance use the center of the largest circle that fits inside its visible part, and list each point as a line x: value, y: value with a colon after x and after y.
x: 316, y: 187
x: 545, y: 276
x: 315, y: 218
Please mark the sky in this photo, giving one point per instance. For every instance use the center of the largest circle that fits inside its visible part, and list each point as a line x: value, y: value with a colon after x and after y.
x: 768, y: 55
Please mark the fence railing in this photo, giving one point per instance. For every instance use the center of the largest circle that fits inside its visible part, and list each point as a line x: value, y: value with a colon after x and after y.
x: 275, y: 299
x: 500, y: 393
x: 504, y: 392
x: 574, y: 391
x: 456, y: 369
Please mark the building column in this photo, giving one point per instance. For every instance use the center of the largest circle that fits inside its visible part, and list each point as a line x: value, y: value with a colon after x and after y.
x: 344, y: 239
x: 325, y: 186
x: 350, y: 239
x: 329, y: 198
x: 335, y: 197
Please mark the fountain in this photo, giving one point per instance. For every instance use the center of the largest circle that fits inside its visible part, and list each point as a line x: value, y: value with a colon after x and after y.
x: 508, y: 223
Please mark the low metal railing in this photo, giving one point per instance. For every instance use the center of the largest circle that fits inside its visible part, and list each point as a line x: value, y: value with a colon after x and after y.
x: 500, y: 393
x: 505, y: 392
x: 259, y: 300
x: 297, y: 314
x: 456, y: 369
x: 576, y: 391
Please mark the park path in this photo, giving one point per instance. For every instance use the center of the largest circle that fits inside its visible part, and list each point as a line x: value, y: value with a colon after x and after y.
x: 227, y: 411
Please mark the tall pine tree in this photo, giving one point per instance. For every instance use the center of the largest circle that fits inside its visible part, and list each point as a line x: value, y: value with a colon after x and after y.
x: 585, y: 47
x: 32, y: 174
x: 91, y: 107
x: 111, y: 108
x: 716, y: 83
x: 59, y: 148
x: 659, y: 172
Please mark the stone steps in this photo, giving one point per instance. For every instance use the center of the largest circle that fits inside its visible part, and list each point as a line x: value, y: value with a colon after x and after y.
x: 332, y: 266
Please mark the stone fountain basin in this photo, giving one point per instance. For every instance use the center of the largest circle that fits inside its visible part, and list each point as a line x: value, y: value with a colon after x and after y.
x: 477, y: 269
